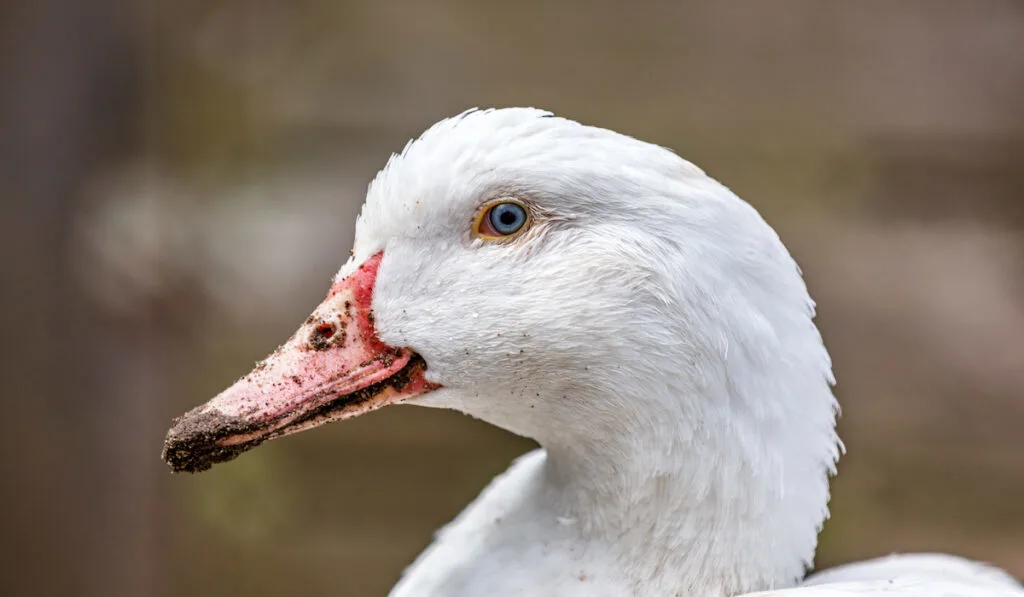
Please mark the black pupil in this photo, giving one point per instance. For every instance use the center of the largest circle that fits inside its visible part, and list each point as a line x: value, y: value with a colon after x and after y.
x: 508, y: 218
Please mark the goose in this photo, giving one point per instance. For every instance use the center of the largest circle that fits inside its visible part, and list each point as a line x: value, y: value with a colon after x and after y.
x: 636, y: 318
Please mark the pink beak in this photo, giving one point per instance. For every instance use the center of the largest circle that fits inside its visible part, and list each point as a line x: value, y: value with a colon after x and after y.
x: 333, y: 368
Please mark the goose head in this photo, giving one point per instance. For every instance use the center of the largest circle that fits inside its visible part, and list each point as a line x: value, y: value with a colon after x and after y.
x: 583, y: 288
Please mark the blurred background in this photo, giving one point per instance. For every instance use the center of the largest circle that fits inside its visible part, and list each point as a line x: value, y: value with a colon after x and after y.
x: 179, y: 181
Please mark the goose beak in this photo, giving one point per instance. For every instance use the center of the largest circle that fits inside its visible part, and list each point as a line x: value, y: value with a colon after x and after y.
x: 333, y: 368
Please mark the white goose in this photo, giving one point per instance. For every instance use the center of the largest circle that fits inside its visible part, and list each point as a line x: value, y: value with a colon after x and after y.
x: 605, y: 297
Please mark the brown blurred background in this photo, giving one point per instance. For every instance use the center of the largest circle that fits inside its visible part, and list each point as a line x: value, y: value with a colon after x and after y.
x: 179, y: 181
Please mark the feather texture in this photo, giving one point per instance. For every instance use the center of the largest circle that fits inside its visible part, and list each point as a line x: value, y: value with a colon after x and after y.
x: 655, y: 336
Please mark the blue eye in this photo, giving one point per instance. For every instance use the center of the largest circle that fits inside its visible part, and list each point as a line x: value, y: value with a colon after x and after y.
x: 506, y: 218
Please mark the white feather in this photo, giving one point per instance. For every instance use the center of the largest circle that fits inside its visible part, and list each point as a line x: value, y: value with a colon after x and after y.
x: 651, y: 332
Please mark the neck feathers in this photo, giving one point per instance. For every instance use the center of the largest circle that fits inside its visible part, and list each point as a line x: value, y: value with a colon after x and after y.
x: 729, y: 508
x: 714, y: 472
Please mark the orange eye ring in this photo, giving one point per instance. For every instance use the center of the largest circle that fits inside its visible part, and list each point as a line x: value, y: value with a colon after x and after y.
x: 502, y: 220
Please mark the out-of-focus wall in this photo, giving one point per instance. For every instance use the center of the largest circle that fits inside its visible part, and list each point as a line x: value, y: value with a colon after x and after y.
x: 180, y: 180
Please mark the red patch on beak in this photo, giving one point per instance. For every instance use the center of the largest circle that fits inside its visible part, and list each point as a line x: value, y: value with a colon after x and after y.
x: 333, y: 368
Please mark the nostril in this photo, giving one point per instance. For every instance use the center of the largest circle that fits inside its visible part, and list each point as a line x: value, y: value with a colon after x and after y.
x: 321, y: 337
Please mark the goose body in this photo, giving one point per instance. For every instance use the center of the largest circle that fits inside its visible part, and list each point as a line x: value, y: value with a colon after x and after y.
x: 466, y: 559
x: 607, y: 298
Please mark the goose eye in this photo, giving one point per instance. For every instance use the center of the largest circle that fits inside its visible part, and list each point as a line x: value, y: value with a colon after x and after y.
x: 502, y: 220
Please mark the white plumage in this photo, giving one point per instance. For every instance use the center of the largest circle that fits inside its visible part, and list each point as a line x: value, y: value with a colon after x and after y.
x: 654, y: 335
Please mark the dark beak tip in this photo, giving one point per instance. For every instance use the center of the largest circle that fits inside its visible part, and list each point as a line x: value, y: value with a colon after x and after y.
x: 193, y: 443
